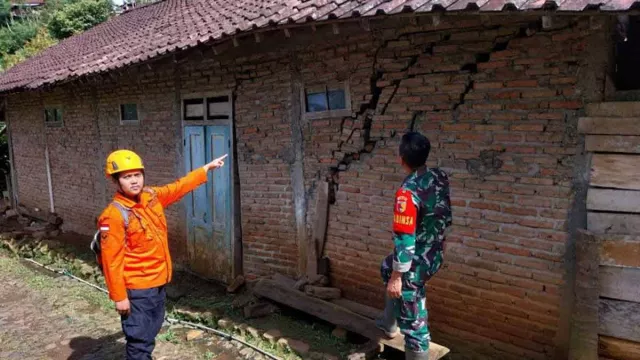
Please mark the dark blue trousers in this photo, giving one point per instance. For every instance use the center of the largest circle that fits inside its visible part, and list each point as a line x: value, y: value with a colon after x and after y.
x: 144, y: 322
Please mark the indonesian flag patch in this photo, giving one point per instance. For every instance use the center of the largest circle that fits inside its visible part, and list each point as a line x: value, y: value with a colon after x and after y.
x: 104, y: 227
x: 404, y: 213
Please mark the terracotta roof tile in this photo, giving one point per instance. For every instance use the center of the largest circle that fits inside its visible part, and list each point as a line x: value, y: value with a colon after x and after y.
x: 172, y: 25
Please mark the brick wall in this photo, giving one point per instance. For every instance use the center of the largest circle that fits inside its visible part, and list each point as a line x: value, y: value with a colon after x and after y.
x: 504, y: 128
x: 498, y: 102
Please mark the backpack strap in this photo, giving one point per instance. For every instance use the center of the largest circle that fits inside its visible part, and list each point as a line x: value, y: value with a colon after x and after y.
x: 124, y: 211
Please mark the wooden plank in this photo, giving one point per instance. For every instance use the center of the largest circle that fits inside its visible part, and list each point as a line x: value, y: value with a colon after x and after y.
x: 620, y: 283
x: 321, y: 292
x: 619, y: 319
x: 609, y: 126
x: 364, y: 310
x: 613, y: 144
x: 616, y: 171
x: 613, y: 200
x: 619, y: 349
x: 336, y: 315
x: 605, y: 223
x: 584, y: 337
x: 316, y: 243
x: 619, y: 251
x: 284, y: 280
x: 614, y: 109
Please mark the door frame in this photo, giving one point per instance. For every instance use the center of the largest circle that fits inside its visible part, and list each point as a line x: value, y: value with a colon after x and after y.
x: 236, y: 263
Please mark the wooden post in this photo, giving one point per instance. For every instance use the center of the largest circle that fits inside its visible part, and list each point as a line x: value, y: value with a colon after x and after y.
x: 314, y: 248
x: 296, y: 166
x: 584, y: 336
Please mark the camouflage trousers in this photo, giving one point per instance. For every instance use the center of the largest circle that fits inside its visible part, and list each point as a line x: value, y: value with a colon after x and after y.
x: 411, y: 308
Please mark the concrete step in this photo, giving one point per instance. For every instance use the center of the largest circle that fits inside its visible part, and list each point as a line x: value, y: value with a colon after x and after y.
x: 614, y: 109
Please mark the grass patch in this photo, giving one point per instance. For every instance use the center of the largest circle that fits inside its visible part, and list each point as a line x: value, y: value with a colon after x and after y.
x: 291, y: 324
x: 202, y: 296
x: 168, y: 336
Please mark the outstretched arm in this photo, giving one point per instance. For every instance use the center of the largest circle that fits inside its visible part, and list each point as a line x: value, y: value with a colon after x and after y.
x: 171, y: 193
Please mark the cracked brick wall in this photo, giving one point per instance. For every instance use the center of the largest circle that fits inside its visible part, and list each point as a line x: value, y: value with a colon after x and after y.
x: 498, y: 97
x: 500, y: 105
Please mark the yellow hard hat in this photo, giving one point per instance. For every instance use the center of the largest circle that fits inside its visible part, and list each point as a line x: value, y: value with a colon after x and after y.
x: 123, y: 160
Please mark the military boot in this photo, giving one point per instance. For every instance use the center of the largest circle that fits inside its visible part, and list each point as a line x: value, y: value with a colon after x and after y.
x: 415, y: 355
x: 388, y: 322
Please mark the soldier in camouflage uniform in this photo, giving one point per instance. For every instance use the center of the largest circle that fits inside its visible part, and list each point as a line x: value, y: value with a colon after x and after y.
x: 422, y: 213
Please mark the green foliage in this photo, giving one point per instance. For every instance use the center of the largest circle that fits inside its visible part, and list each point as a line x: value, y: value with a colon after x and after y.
x: 79, y: 16
x: 16, y: 34
x: 5, y: 11
x: 40, y: 42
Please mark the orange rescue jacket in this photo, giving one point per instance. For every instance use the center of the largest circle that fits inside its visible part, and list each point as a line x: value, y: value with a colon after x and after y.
x: 138, y: 258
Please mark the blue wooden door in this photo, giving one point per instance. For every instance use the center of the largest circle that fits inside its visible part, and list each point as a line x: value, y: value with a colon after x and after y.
x: 209, y: 211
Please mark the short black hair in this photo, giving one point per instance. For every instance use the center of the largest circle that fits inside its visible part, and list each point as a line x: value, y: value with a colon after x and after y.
x: 414, y: 149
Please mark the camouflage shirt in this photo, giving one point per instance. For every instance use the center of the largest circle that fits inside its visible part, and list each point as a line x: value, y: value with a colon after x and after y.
x: 421, y: 215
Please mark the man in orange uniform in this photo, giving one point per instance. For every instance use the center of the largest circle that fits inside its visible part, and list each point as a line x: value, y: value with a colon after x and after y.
x: 134, y: 247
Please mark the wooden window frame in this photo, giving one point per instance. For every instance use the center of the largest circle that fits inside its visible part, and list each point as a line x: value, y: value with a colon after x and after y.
x: 137, y: 121
x: 55, y: 109
x: 328, y: 113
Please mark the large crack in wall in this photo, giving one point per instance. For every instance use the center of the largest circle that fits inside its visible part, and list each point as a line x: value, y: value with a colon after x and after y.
x: 368, y: 110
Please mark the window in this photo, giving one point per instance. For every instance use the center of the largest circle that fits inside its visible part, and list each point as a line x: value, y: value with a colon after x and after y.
x: 214, y: 107
x: 626, y: 73
x: 129, y: 113
x: 327, y: 101
x: 53, y: 117
x: 218, y: 108
x: 194, y: 109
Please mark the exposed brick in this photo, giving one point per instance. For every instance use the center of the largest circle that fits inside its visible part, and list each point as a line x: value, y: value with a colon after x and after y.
x: 492, y: 65
x: 533, y: 127
x: 565, y: 105
x: 537, y: 223
x: 485, y: 206
x: 520, y: 211
x: 522, y: 83
x: 487, y: 85
x: 508, y: 239
x: 514, y: 251
x: 538, y: 93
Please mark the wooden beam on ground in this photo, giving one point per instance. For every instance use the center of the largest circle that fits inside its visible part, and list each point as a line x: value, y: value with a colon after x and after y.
x: 613, y: 200
x: 584, y: 339
x: 364, y: 310
x: 336, y: 315
x: 620, y: 250
x: 609, y: 126
x: 315, y: 247
x: 620, y: 283
x: 620, y: 319
x: 613, y: 144
x: 284, y: 280
x: 605, y: 223
x: 321, y: 292
x: 616, y: 171
x: 619, y: 349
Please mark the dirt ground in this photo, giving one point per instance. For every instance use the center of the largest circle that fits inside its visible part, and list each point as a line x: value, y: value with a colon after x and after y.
x: 54, y: 317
